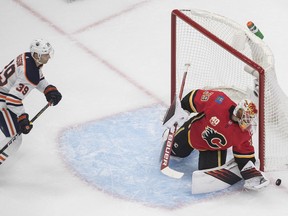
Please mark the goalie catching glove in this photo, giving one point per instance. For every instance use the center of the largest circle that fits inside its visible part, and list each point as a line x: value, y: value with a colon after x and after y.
x: 254, y: 179
x: 175, y: 115
x: 52, y: 95
x: 24, y: 124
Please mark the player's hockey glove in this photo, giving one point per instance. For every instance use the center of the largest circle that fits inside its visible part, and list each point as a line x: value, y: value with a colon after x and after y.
x: 24, y: 124
x: 254, y: 179
x: 52, y: 95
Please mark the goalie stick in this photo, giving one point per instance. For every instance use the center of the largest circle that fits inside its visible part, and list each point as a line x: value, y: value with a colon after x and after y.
x: 167, y: 147
x: 3, y: 155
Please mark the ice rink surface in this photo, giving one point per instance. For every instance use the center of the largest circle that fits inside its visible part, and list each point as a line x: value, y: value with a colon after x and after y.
x: 112, y: 63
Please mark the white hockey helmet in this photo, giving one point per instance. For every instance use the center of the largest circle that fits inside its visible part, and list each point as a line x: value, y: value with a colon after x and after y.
x: 246, y: 113
x: 41, y: 46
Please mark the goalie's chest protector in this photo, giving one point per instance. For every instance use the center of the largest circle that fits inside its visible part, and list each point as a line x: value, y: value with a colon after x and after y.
x: 213, y: 129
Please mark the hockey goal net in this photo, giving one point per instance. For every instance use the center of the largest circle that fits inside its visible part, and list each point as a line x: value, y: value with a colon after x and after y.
x: 226, y: 56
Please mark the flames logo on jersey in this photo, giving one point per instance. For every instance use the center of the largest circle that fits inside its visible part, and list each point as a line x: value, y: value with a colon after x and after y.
x: 214, y: 139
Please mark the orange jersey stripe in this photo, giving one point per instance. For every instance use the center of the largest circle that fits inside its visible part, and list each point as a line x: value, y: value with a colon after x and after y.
x: 15, y: 101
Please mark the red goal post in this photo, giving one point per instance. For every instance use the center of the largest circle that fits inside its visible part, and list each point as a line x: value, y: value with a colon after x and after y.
x: 226, y: 56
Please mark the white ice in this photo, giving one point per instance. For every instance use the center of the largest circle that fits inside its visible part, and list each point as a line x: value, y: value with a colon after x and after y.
x: 111, y: 57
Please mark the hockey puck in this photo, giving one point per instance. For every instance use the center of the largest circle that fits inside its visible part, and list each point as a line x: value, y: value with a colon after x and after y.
x: 278, y: 182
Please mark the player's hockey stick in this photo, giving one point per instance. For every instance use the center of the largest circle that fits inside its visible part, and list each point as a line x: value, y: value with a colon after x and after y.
x: 166, y: 151
x: 3, y: 155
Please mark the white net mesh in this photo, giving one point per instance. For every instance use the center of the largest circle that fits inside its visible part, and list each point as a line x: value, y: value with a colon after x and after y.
x: 212, y: 66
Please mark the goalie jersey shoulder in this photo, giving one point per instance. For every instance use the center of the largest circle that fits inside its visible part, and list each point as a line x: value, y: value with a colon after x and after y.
x: 200, y: 100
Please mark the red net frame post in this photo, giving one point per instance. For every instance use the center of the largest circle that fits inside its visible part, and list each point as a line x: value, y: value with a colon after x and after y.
x: 177, y: 14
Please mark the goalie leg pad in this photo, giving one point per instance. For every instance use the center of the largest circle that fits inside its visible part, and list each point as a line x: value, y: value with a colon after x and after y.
x: 215, y: 179
x: 256, y: 183
x: 254, y: 179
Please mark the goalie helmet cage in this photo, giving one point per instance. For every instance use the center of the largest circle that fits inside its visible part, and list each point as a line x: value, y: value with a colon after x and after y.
x: 226, y: 56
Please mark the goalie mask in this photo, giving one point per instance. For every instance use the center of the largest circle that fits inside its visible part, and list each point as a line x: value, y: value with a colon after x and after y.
x: 246, y: 113
x: 41, y: 46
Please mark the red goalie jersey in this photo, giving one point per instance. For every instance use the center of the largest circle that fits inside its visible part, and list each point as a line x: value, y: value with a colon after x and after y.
x: 213, y: 128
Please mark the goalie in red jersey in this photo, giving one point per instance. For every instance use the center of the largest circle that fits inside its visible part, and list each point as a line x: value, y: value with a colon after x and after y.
x: 218, y: 124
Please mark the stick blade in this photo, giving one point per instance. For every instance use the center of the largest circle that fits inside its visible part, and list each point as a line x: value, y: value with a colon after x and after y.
x: 172, y: 173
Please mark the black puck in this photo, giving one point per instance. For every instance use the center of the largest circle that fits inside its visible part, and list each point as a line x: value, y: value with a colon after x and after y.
x: 278, y: 182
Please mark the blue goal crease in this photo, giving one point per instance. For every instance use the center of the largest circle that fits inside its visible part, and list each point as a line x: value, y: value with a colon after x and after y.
x: 120, y: 155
